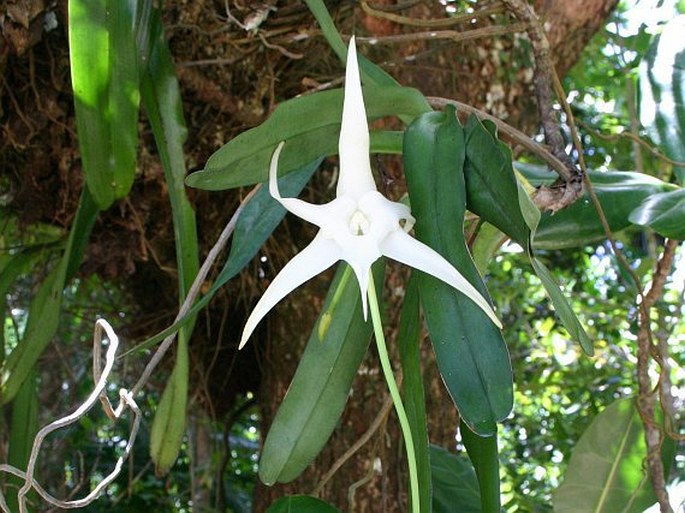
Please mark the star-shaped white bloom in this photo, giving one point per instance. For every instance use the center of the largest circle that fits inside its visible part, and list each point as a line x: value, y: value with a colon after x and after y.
x: 360, y: 225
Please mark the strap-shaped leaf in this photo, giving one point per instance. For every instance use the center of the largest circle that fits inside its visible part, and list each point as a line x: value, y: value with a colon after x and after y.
x: 484, y: 455
x: 104, y: 74
x: 310, y: 124
x: 414, y: 400
x: 495, y: 195
x: 318, y: 393
x: 471, y: 353
x: 162, y: 100
x: 161, y: 97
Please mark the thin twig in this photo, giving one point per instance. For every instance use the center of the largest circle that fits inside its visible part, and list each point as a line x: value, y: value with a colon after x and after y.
x: 283, y: 50
x: 126, y: 400
x: 454, y: 35
x: 377, y: 423
x: 435, y: 23
x: 645, y: 349
x: 634, y: 138
x: 194, y: 290
x: 512, y: 133
x: 543, y: 73
x: 646, y: 397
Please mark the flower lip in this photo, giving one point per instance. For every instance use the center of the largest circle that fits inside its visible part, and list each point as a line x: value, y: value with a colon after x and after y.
x: 359, y: 224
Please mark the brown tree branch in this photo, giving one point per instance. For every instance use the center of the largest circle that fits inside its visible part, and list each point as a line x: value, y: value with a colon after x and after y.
x: 454, y: 35
x: 543, y: 80
x: 377, y: 423
x: 646, y: 350
x: 513, y: 134
x: 435, y: 23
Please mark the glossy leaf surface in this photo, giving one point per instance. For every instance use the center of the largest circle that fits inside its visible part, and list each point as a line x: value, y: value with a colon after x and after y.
x: 310, y: 124
x: 492, y: 191
x: 484, y: 455
x: 455, y: 486
x: 495, y: 195
x: 471, y: 353
x: 664, y: 213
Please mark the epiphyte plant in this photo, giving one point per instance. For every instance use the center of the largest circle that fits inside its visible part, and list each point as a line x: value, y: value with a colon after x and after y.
x: 360, y: 225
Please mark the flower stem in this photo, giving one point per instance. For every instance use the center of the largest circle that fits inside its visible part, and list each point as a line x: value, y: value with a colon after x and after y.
x: 394, y: 393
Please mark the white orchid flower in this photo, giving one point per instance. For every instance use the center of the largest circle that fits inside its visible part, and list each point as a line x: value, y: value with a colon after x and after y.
x: 360, y: 225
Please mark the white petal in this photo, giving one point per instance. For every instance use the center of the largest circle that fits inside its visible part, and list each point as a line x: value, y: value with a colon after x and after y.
x: 355, y: 169
x: 362, y: 274
x: 406, y: 249
x: 315, y: 258
x: 302, y: 209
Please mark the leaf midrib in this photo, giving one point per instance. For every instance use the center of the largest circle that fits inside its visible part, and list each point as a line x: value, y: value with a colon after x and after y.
x: 614, y: 468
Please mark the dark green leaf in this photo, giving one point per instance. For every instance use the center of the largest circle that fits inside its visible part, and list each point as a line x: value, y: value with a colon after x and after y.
x: 471, y: 353
x: 664, y: 213
x: 301, y: 504
x: 662, y: 92
x: 104, y: 73
x: 495, y: 195
x: 485, y: 458
x: 413, y: 398
x: 310, y: 125
x: 492, y: 191
x: 455, y: 487
x: 318, y: 393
